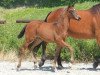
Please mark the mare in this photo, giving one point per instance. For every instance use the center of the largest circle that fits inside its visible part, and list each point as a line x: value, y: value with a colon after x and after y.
x: 87, y: 28
x: 37, y: 31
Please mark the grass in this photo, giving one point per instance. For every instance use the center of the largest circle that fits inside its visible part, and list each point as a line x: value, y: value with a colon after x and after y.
x: 9, y: 31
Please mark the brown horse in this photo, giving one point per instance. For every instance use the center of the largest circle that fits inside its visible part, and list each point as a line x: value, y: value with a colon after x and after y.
x: 87, y: 28
x: 37, y: 30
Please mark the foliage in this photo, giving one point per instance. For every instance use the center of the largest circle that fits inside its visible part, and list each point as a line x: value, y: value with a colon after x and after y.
x: 39, y: 3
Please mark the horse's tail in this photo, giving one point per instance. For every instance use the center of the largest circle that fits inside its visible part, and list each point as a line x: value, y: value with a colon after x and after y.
x: 21, y: 33
x: 23, y: 21
x: 47, y: 17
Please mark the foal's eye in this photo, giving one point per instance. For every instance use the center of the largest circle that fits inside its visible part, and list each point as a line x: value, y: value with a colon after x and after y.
x: 74, y: 9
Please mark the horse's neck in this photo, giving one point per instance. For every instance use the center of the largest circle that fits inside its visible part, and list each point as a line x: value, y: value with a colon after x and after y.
x: 64, y: 21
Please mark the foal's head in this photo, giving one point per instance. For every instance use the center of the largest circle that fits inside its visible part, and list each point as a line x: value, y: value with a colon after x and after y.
x: 71, y: 13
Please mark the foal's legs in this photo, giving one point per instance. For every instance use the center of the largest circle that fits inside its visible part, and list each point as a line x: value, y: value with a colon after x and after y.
x: 70, y: 49
x: 41, y: 63
x: 21, y: 54
x: 61, y: 43
x: 65, y: 44
x: 35, y: 43
x: 22, y: 51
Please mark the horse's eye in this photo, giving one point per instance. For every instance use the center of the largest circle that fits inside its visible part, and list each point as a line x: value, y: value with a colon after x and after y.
x: 74, y: 9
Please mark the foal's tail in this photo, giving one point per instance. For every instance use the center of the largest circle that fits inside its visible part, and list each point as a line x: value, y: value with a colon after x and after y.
x: 21, y: 33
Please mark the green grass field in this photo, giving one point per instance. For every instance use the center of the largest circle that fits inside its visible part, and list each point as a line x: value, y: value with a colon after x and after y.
x: 10, y: 30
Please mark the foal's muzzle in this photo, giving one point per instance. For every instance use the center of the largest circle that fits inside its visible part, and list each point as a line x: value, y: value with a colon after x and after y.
x: 78, y: 18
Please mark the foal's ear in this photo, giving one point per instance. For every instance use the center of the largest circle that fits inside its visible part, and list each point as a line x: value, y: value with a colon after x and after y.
x: 69, y: 7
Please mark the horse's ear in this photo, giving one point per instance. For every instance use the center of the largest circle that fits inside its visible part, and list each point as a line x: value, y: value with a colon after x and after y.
x: 68, y: 8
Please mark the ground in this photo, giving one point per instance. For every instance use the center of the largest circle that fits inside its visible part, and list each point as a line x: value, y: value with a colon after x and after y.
x: 9, y: 68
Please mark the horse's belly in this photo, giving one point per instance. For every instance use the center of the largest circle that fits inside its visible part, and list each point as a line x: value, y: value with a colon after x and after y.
x: 46, y: 35
x: 82, y: 35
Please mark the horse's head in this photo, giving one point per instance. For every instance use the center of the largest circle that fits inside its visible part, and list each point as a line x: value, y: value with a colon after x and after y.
x: 71, y: 12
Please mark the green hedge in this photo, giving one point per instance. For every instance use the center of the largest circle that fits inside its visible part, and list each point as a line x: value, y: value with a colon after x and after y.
x: 38, y: 3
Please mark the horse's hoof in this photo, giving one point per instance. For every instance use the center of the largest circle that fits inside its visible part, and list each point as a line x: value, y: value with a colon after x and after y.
x: 40, y: 68
x: 68, y: 71
x: 54, y: 69
x: 17, y: 69
x: 35, y: 66
x: 60, y: 67
x: 41, y: 64
x: 70, y: 65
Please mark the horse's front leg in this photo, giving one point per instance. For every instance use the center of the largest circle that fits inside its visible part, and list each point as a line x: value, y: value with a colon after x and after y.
x: 62, y: 43
x: 70, y: 49
x: 21, y: 54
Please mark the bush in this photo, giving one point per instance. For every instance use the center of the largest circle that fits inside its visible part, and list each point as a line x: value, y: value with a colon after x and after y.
x: 38, y: 3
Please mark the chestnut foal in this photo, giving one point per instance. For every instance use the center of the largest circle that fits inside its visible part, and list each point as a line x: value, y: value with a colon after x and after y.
x: 37, y: 31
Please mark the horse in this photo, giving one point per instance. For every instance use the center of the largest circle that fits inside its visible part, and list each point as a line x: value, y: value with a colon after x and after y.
x: 37, y: 31
x: 87, y: 28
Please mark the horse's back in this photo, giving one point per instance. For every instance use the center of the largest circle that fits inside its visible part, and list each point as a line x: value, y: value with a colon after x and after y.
x: 31, y: 28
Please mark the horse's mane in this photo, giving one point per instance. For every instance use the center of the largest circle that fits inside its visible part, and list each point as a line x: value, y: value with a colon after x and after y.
x: 95, y: 9
x: 47, y: 17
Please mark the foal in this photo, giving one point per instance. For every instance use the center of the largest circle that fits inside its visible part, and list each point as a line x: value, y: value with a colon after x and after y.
x: 37, y: 31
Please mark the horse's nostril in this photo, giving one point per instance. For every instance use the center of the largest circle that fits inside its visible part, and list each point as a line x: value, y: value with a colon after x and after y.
x: 79, y: 18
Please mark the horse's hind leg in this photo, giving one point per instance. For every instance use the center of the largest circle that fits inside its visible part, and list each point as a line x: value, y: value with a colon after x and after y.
x: 21, y: 54
x: 35, y: 43
x: 41, y: 63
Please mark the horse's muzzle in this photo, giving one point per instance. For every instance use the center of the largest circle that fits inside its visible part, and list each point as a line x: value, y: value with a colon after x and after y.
x: 79, y: 18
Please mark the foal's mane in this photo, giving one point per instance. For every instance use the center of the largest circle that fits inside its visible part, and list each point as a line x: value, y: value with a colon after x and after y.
x: 95, y: 9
